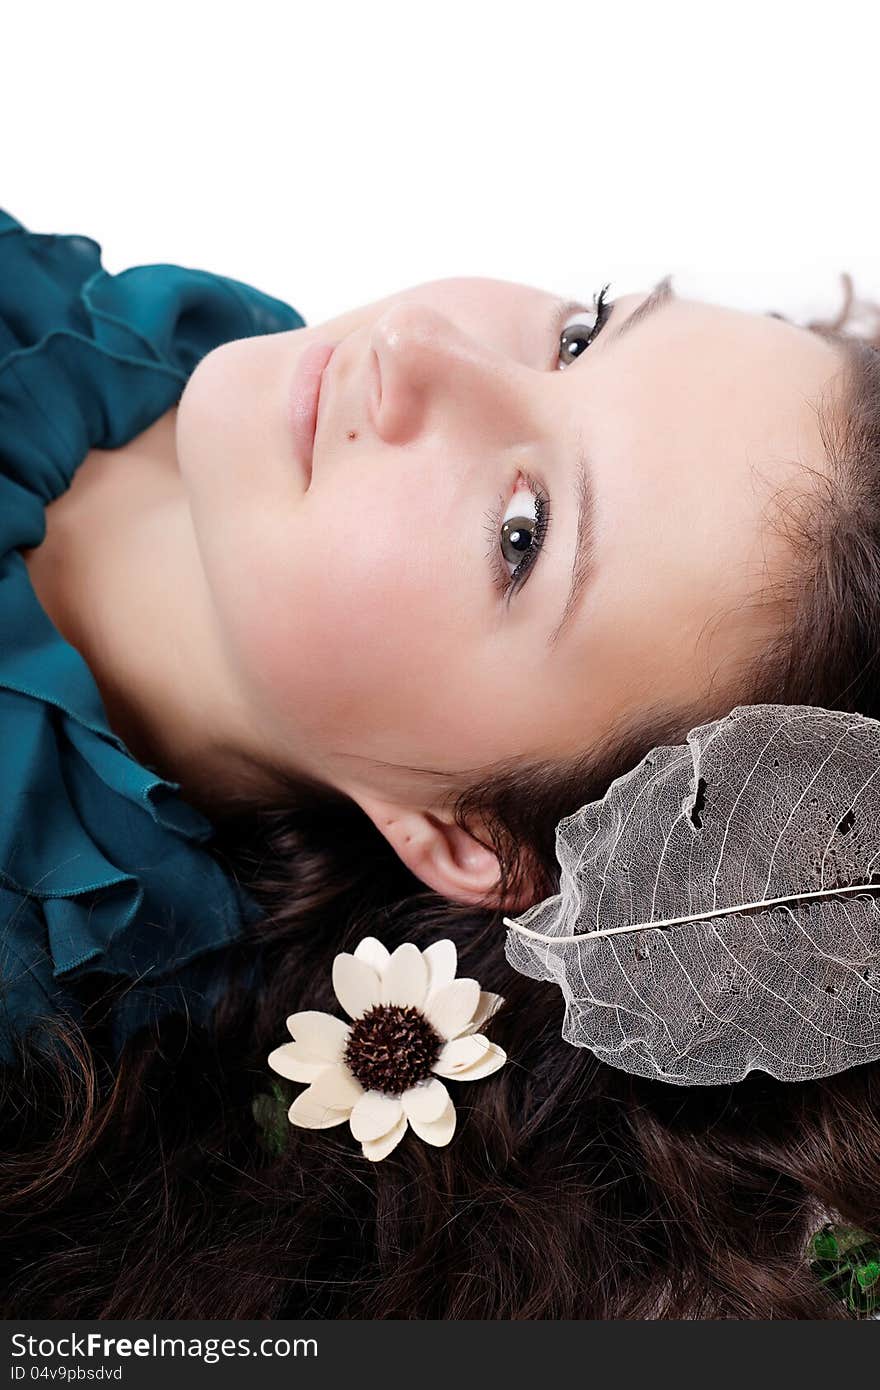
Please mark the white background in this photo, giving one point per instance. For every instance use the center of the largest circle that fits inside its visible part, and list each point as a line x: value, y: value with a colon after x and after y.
x: 332, y: 152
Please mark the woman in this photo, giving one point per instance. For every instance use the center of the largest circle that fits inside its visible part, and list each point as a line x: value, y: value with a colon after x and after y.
x: 321, y: 662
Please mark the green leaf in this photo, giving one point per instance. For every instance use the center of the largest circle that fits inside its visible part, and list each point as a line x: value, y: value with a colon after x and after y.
x: 846, y: 1260
x: 270, y: 1114
x: 868, y: 1274
x: 825, y: 1245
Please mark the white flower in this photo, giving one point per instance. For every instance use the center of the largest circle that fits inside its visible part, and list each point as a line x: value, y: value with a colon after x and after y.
x: 414, y: 1022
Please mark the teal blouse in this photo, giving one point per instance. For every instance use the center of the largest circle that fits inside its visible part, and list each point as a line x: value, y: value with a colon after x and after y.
x: 103, y: 867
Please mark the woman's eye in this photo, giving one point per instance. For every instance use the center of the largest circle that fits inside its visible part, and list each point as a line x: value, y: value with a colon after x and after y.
x: 517, y: 534
x: 582, y: 328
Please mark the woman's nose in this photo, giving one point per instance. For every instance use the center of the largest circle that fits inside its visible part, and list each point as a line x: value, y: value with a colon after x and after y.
x: 428, y: 371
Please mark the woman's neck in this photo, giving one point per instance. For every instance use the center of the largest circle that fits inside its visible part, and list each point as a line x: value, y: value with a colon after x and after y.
x: 120, y: 577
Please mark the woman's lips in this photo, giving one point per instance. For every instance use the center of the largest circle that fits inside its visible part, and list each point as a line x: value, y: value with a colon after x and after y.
x: 303, y: 406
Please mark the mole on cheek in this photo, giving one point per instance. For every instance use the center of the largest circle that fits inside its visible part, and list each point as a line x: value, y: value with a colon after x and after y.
x: 352, y: 434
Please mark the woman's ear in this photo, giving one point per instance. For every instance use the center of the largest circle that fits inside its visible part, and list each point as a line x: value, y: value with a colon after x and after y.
x: 445, y: 857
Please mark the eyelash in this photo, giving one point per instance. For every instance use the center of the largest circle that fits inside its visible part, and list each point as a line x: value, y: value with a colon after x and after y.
x: 508, y: 583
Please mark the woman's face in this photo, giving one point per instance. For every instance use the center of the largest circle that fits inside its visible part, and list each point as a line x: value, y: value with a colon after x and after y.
x: 371, y: 615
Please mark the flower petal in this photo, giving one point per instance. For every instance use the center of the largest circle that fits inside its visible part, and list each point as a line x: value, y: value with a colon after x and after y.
x: 337, y: 1088
x: 494, y: 1061
x: 426, y: 1101
x: 451, y: 1009
x: 374, y: 1115
x: 288, y: 1060
x: 469, y: 1058
x: 373, y: 953
x: 357, y: 985
x: 381, y: 1148
x: 439, y: 1131
x: 457, y: 1054
x: 442, y: 958
x: 489, y: 1004
x: 308, y: 1114
x: 406, y: 979
x: 320, y: 1035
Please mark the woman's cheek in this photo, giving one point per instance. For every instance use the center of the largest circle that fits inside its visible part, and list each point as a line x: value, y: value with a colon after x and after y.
x: 320, y: 640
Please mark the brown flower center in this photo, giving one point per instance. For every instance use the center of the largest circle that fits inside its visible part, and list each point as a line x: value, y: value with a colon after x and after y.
x: 391, y: 1048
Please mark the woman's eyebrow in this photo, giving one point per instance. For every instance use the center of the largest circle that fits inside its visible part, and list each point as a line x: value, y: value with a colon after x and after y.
x: 584, y: 564
x: 661, y: 294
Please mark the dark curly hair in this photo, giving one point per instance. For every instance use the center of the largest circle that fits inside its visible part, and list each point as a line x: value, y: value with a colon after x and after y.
x: 143, y: 1186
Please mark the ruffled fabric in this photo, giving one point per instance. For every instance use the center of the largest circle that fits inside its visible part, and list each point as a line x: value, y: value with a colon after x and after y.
x: 103, y: 867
